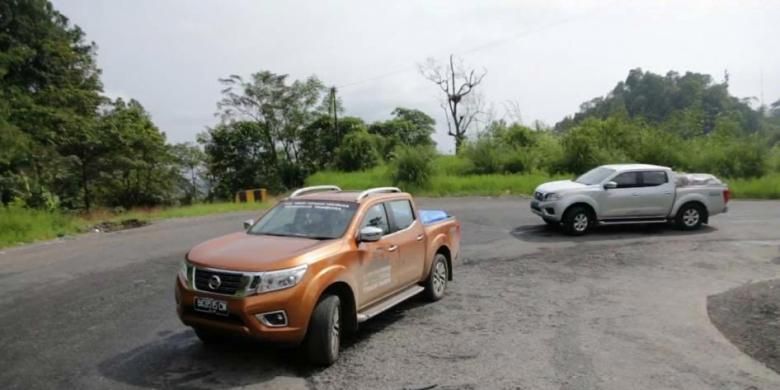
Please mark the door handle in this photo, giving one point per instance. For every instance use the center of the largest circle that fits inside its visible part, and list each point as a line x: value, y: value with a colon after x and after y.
x: 634, y: 194
x: 392, y: 248
x: 420, y: 237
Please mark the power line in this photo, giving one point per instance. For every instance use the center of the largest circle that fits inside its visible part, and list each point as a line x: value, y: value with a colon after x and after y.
x: 481, y: 47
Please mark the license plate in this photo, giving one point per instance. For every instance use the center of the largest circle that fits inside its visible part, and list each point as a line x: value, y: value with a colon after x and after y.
x: 211, y: 305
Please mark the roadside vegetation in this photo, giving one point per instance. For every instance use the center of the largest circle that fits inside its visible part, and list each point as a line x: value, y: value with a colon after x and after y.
x: 67, y: 149
x: 24, y: 225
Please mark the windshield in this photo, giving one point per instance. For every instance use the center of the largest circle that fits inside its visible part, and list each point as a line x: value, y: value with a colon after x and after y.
x: 319, y: 220
x: 595, y: 176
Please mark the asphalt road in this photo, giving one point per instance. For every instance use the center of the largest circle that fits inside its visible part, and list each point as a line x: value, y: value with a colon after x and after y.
x: 622, y: 308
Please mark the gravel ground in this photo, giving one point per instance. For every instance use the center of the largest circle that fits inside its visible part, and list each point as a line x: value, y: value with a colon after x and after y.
x: 749, y: 316
x: 529, y: 309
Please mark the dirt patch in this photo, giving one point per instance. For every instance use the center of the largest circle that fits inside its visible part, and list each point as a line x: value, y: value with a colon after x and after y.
x: 749, y: 316
x: 112, y: 226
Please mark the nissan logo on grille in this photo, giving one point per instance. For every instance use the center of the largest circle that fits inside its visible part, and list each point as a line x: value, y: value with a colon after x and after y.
x: 214, y: 282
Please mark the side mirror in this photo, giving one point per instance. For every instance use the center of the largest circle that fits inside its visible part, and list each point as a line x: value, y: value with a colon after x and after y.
x: 248, y: 223
x: 370, y: 234
x: 609, y: 185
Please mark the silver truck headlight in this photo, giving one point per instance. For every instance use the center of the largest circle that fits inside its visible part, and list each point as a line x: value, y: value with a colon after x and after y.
x: 552, y: 196
x: 279, y: 280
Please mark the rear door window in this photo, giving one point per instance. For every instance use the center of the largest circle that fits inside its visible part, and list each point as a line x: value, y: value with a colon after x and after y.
x: 377, y: 217
x: 653, y: 178
x: 403, y: 216
x: 627, y: 180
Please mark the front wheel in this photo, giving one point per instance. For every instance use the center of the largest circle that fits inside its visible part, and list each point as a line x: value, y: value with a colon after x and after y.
x: 324, y: 336
x: 437, y: 280
x: 577, y: 220
x: 209, y: 337
x: 690, y: 217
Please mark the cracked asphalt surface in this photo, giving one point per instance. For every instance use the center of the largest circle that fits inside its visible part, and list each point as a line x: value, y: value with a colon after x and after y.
x: 530, y: 308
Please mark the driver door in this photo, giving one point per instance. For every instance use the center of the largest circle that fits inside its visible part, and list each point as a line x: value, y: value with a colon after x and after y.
x: 621, y: 202
x: 378, y: 260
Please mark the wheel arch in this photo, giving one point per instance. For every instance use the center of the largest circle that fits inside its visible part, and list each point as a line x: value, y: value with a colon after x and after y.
x: 586, y: 205
x: 444, y: 250
x: 348, y: 303
x: 697, y: 202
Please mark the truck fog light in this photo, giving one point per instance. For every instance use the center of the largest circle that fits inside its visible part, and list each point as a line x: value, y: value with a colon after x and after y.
x: 273, y: 319
x: 550, y: 210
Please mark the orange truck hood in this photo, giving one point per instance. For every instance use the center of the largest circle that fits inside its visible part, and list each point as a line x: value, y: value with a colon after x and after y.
x: 247, y: 252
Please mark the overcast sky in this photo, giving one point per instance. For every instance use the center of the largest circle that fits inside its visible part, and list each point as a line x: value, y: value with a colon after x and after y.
x: 545, y: 56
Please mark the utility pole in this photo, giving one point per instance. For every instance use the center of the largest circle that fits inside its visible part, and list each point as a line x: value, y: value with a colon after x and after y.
x: 334, y: 107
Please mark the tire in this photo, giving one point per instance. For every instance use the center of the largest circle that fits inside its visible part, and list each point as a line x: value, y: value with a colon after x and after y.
x: 323, y: 338
x: 690, y: 216
x: 209, y: 337
x: 436, y: 284
x: 577, y: 220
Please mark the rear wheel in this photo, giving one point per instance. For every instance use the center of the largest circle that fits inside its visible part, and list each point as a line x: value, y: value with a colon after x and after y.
x: 437, y: 280
x: 690, y: 216
x: 577, y: 220
x: 324, y: 336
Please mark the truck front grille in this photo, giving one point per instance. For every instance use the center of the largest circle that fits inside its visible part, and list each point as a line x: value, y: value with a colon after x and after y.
x: 228, y: 282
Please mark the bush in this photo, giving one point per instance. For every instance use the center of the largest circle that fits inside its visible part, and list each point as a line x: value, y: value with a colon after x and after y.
x: 452, y: 165
x: 413, y: 166
x: 774, y: 159
x: 732, y: 158
x: 357, y: 152
x: 484, y: 156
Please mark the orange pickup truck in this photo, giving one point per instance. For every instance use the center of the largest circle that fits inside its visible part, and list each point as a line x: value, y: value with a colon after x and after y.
x: 315, y: 266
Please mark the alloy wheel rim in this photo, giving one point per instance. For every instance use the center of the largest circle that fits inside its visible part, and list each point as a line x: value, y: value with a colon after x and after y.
x: 580, y: 222
x: 691, y: 217
x: 439, y: 278
x: 335, y: 331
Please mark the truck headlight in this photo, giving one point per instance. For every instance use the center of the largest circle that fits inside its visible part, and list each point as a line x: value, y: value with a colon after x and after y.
x: 552, y: 196
x: 185, y: 270
x: 278, y: 280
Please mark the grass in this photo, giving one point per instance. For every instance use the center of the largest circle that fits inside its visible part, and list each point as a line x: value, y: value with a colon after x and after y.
x: 157, y: 213
x: 766, y: 187
x: 442, y: 184
x: 448, y: 180
x: 18, y: 225
x: 21, y: 225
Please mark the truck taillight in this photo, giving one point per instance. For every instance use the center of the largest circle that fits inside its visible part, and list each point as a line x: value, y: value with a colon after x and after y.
x: 726, y: 195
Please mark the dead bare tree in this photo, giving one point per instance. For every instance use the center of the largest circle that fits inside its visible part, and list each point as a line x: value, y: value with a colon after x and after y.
x: 457, y: 83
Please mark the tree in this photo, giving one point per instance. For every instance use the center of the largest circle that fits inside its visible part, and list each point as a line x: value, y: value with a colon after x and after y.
x: 357, y: 152
x: 408, y: 127
x: 688, y: 105
x: 190, y: 159
x: 461, y: 106
x: 238, y: 156
x: 319, y: 141
x: 281, y: 112
x: 51, y: 88
x: 140, y: 169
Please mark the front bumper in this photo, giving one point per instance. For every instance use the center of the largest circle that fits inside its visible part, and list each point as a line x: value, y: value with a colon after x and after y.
x: 241, y: 318
x: 551, y: 211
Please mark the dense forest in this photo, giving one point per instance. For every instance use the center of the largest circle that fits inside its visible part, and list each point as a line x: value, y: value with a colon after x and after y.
x: 65, y: 145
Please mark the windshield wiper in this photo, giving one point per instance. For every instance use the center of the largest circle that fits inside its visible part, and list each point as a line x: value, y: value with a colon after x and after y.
x: 295, y: 235
x: 270, y: 234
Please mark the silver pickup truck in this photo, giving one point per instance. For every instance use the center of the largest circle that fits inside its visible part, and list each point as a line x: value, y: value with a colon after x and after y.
x: 629, y: 194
